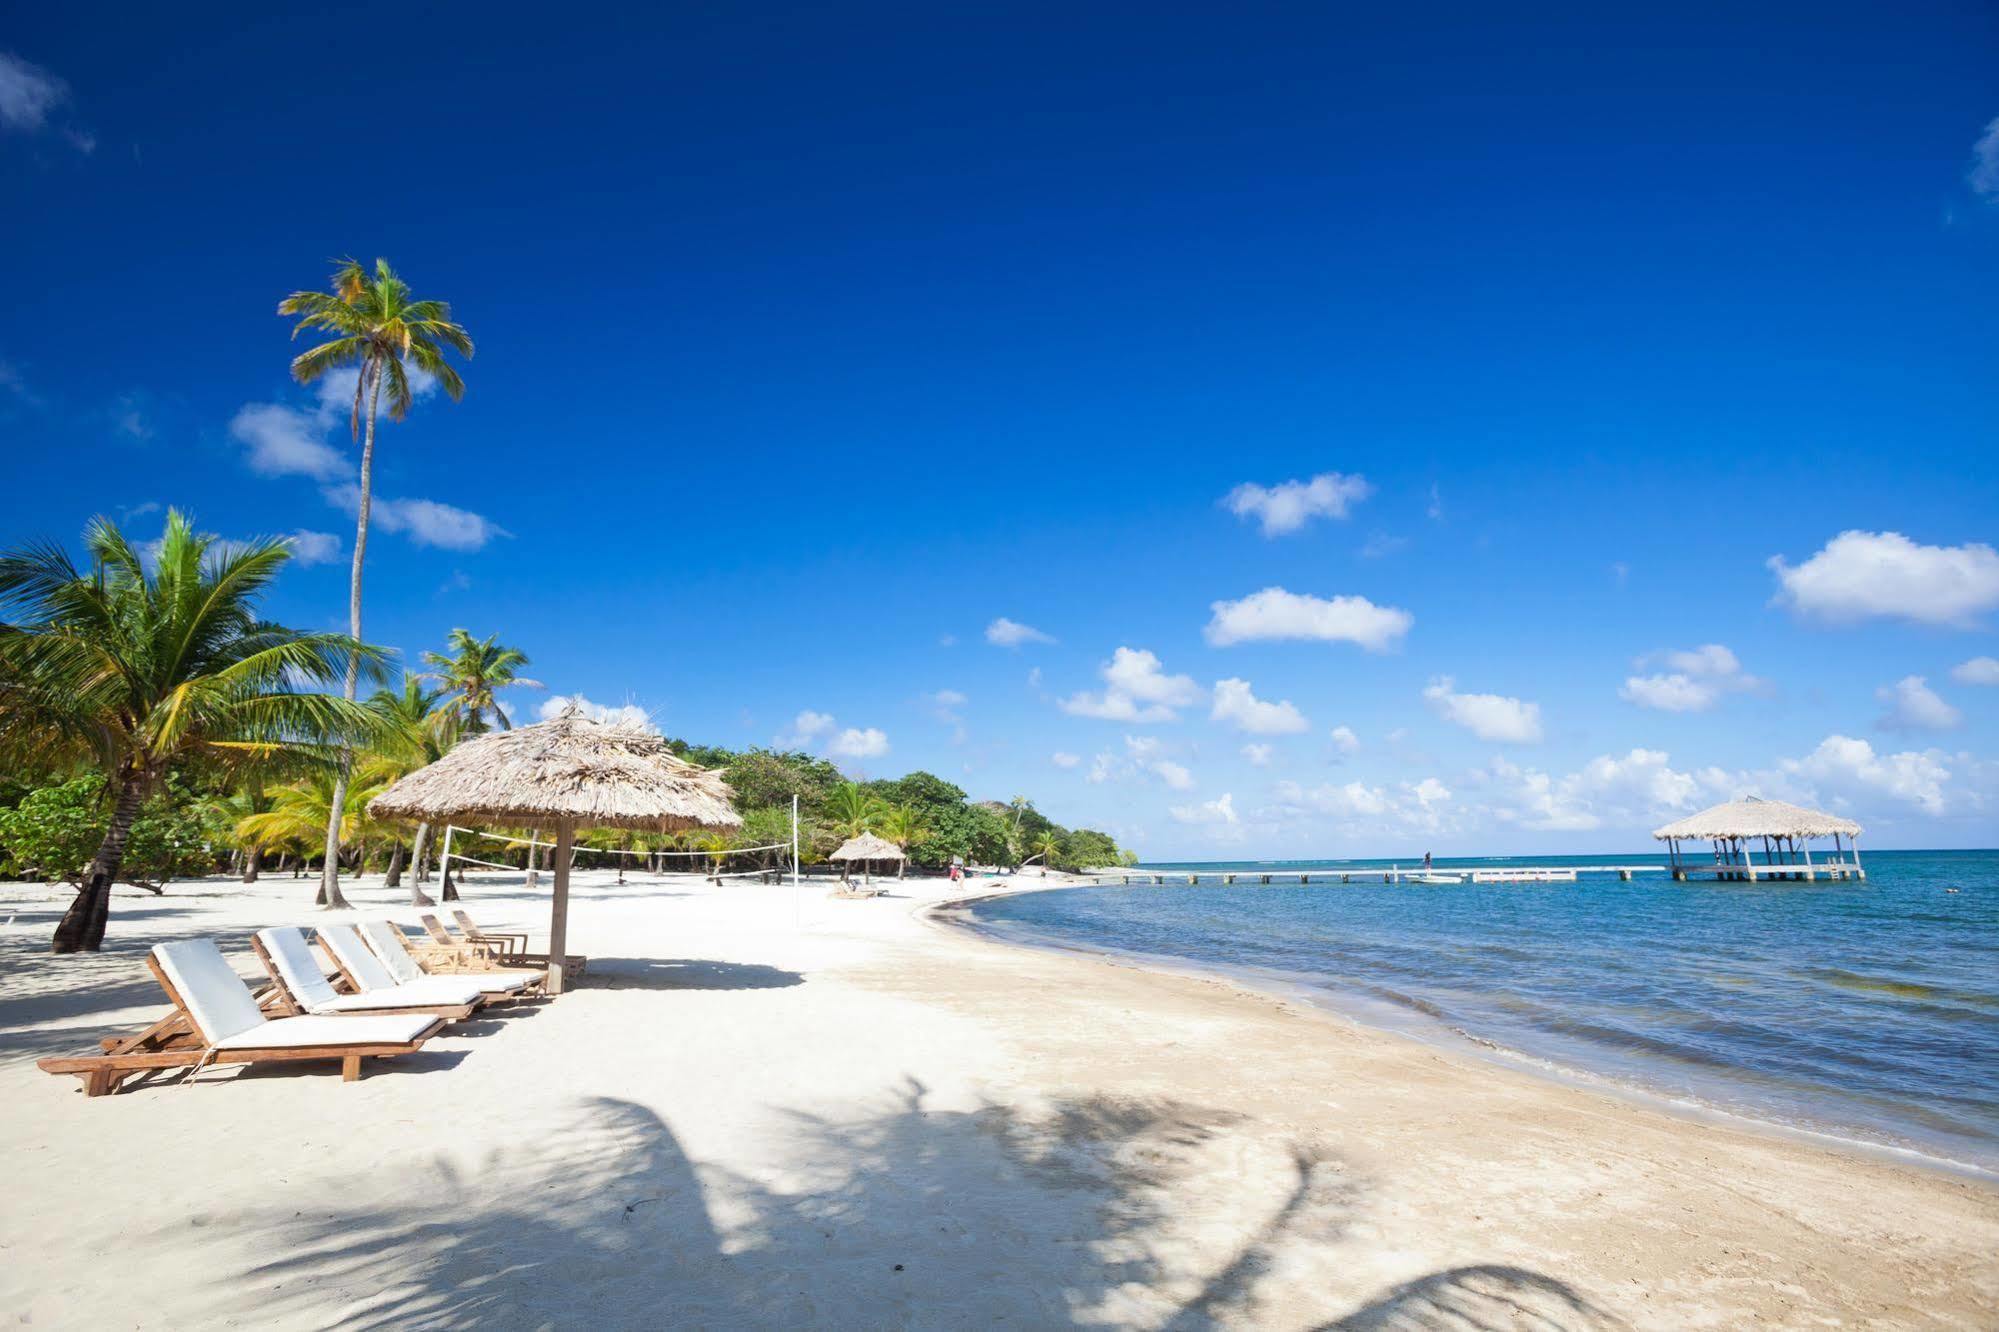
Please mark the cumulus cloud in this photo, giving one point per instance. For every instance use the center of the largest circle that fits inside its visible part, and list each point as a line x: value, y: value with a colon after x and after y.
x: 630, y: 714
x: 284, y: 441
x: 313, y: 547
x: 1863, y: 574
x: 1344, y: 739
x: 1697, y: 681
x: 1065, y: 760
x: 1289, y: 505
x: 1983, y: 177
x: 28, y: 93
x: 1257, y: 756
x: 1358, y: 806
x: 944, y: 705
x: 1275, y: 614
x: 1487, y: 716
x: 1011, y: 633
x: 806, y: 727
x: 857, y: 743
x: 1173, y: 774
x: 1237, y: 705
x: 1977, y: 671
x: 1138, y: 689
x: 1914, y: 706
x: 1842, y: 767
x: 1609, y: 790
x: 1219, y: 811
x: 426, y: 522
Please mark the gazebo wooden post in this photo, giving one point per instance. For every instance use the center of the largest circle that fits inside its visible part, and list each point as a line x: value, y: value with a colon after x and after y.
x: 558, y: 921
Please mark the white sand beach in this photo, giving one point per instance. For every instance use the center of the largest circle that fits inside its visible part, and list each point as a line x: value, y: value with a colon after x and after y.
x: 765, y: 1108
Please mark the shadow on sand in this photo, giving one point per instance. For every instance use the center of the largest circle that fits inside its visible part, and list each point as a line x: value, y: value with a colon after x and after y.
x: 907, y: 1217
x: 683, y: 973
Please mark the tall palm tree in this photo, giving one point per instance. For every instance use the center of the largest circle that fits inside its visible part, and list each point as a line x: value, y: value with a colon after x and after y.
x: 376, y: 327
x: 903, y: 825
x: 473, y: 671
x: 421, y: 728
x: 139, y: 669
x: 1047, y: 846
x: 300, y: 812
x: 851, y: 810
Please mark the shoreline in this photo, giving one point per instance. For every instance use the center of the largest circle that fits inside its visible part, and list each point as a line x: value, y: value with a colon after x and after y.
x: 763, y: 1107
x: 1442, y: 1038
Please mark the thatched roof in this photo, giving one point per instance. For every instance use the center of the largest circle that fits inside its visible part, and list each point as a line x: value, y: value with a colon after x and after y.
x: 1753, y: 816
x: 569, y: 768
x: 867, y: 847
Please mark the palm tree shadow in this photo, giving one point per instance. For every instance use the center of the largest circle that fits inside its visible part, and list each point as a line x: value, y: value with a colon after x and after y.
x: 684, y: 973
x: 1483, y: 1298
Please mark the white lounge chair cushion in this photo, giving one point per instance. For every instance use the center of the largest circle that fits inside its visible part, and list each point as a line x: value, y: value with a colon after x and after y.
x: 374, y: 978
x: 294, y: 1032
x: 502, y: 982
x: 213, y: 994
x: 298, y: 968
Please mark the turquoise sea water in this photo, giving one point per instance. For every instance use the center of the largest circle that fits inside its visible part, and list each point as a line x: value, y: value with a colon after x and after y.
x: 1865, y: 1010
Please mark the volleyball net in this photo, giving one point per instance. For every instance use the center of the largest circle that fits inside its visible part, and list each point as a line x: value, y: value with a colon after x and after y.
x: 487, y: 855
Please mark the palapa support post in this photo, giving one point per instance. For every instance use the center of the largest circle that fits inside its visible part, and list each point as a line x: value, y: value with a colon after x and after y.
x: 558, y: 920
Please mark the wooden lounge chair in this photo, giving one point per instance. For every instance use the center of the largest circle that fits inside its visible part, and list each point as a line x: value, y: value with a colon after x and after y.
x: 364, y: 973
x: 216, y: 1020
x: 290, y: 961
x: 502, y: 949
x: 392, y: 947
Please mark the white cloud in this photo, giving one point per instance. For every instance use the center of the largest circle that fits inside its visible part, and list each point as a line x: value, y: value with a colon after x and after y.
x: 1358, y: 806
x: 1064, y: 760
x: 1696, y: 683
x: 426, y: 522
x: 1289, y: 505
x: 806, y: 727
x: 1139, y: 690
x: 1274, y: 613
x: 1257, y: 756
x: 631, y: 714
x: 27, y: 94
x: 287, y: 442
x: 859, y: 744
x: 1012, y: 633
x: 1102, y: 768
x: 1235, y: 703
x: 1220, y: 810
x: 944, y: 705
x: 1631, y: 789
x: 1977, y: 671
x: 1173, y: 774
x: 1842, y: 767
x: 1861, y: 574
x: 335, y: 391
x: 313, y: 547
x: 1914, y: 706
x: 1034, y: 678
x: 1381, y: 545
x: 1345, y: 740
x: 1984, y: 173
x: 1487, y: 716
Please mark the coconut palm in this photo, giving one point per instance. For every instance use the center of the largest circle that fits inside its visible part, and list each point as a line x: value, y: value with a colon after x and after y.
x: 300, y: 813
x: 422, y: 728
x: 903, y: 825
x: 851, y: 810
x: 1047, y: 846
x: 378, y: 330
x: 473, y: 672
x: 138, y: 669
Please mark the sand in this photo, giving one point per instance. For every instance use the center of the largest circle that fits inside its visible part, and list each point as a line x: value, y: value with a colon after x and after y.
x: 764, y: 1108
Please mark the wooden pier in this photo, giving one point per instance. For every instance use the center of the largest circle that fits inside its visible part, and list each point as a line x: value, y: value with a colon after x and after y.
x: 1392, y: 874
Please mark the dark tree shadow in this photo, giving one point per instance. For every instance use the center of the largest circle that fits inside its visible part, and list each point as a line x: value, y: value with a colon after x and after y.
x: 1478, y: 1299
x: 684, y: 973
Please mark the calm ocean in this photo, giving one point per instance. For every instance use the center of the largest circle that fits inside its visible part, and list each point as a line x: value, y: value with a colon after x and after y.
x: 1865, y: 1010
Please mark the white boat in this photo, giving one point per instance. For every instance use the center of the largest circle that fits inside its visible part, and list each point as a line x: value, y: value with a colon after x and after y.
x: 1436, y: 878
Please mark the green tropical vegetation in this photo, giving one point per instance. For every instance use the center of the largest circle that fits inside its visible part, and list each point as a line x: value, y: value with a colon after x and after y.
x: 379, y: 330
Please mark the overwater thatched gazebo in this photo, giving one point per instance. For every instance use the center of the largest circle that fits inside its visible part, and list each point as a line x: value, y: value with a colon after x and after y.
x: 867, y: 849
x: 1785, y: 830
x: 566, y: 773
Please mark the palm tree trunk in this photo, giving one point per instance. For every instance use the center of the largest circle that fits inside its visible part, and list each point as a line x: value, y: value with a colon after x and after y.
x: 417, y: 895
x: 82, y: 926
x: 393, y: 876
x: 329, y: 879
x: 253, y: 863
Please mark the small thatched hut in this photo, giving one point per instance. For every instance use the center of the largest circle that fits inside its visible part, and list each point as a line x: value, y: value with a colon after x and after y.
x: 1785, y: 831
x: 867, y: 849
x: 566, y: 773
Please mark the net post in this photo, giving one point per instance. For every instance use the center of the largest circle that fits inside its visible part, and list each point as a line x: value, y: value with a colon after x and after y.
x: 794, y: 839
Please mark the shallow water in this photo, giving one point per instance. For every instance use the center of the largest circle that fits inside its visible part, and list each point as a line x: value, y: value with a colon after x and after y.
x: 1866, y: 1010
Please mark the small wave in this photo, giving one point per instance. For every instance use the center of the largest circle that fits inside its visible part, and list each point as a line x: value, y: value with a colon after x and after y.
x: 1850, y: 980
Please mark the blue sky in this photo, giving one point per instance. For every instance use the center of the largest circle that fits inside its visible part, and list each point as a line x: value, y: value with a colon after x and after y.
x: 793, y: 318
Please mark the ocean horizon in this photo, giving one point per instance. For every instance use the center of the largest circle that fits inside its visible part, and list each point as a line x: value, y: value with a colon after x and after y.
x: 1863, y: 1010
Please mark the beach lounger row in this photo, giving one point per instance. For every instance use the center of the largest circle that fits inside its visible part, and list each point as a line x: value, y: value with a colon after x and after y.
x: 384, y: 1002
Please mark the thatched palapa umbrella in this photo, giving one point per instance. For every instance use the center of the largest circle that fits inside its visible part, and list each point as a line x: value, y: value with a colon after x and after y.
x: 867, y: 848
x: 570, y: 773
